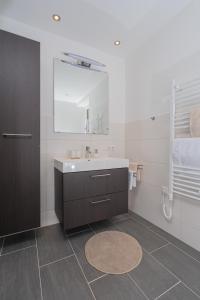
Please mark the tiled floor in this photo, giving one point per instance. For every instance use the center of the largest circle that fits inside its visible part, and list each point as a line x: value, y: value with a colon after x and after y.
x: 47, y: 265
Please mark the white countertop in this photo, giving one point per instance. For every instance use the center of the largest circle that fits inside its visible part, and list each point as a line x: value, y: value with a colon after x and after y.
x: 78, y: 165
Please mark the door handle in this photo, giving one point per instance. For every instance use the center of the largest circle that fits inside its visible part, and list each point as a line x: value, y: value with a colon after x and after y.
x: 101, y: 175
x: 16, y: 134
x: 100, y: 201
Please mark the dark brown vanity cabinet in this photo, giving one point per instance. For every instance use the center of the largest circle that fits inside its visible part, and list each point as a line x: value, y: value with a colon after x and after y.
x: 85, y: 197
x: 19, y: 133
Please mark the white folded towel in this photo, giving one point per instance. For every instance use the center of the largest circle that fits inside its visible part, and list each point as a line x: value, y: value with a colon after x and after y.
x: 187, y: 152
x: 132, y: 179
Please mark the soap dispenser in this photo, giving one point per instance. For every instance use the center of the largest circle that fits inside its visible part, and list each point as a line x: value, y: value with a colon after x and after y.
x: 96, y: 153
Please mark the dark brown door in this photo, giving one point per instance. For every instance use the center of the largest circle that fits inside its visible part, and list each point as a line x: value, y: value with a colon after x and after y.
x: 19, y: 133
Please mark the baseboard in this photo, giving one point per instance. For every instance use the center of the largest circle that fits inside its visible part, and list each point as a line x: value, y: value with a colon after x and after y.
x: 48, y: 218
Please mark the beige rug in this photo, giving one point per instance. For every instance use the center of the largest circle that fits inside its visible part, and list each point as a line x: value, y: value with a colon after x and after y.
x: 113, y: 252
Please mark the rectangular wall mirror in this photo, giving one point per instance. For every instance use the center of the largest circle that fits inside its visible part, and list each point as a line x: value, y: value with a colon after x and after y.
x: 80, y: 99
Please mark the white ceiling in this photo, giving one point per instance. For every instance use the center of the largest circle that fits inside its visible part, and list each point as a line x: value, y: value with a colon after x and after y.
x: 127, y: 12
x: 97, y: 23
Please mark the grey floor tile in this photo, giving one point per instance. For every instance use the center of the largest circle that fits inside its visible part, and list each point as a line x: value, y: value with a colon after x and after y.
x: 1, y: 244
x: 183, y: 246
x: 120, y: 218
x: 116, y: 287
x: 140, y: 219
x: 165, y: 235
x: 182, y: 265
x: 151, y: 277
x: 77, y: 229
x: 179, y: 292
x: 103, y: 226
x: 145, y: 237
x: 78, y: 243
x: 52, y: 244
x: 19, y: 276
x: 64, y: 280
x: 18, y: 241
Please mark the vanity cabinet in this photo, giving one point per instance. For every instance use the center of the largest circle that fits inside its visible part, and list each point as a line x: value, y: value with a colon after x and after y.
x: 85, y: 197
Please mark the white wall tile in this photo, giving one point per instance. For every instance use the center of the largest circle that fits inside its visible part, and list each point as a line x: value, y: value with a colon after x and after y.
x: 151, y: 146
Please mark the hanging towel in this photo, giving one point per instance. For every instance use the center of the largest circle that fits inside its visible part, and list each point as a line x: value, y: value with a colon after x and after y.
x: 134, y: 174
x: 195, y: 122
x: 136, y: 168
x: 186, y: 152
x: 132, y: 179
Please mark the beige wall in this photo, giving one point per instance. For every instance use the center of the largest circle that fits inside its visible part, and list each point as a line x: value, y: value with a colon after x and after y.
x: 174, y: 53
x: 148, y: 141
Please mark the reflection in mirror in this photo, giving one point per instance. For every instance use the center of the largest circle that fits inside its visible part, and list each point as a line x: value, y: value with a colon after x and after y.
x: 80, y: 99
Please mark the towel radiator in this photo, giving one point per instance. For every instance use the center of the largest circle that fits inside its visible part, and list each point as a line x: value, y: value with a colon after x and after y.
x: 183, y: 180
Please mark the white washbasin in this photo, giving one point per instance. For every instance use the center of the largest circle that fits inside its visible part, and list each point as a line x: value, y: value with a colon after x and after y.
x: 83, y: 164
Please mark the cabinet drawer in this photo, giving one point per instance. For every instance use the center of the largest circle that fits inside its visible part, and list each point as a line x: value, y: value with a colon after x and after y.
x: 84, y: 211
x: 93, y: 183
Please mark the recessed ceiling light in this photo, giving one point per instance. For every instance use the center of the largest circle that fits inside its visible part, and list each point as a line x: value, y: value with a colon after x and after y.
x: 117, y: 43
x: 56, y: 18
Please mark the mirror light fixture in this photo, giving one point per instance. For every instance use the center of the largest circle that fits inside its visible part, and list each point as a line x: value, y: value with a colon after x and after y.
x: 84, y: 61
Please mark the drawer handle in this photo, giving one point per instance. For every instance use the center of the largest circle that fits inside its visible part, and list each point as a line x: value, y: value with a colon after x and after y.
x: 100, y: 201
x: 101, y: 175
x: 16, y: 134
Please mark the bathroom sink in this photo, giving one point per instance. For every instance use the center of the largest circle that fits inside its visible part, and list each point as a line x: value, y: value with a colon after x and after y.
x: 79, y: 165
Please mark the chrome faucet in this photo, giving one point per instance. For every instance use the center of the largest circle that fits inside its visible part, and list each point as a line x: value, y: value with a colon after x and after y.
x: 88, y: 152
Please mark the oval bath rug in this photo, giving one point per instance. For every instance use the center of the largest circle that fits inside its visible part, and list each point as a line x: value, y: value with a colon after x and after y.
x: 113, y: 252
